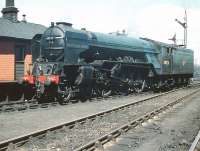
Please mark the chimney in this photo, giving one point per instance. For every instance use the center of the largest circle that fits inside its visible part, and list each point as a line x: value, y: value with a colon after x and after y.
x: 10, y: 3
x: 24, y: 18
x: 10, y: 11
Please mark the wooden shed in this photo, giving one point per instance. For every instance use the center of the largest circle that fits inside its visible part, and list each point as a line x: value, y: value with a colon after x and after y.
x: 15, y: 43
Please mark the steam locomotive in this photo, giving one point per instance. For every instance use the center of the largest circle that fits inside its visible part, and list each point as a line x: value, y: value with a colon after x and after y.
x: 72, y: 63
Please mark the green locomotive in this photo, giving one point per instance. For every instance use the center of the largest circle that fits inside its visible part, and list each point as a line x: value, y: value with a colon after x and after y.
x: 79, y: 63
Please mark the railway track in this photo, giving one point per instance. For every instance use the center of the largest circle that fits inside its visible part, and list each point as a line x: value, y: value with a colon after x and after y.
x: 79, y: 129
x: 22, y: 106
x: 99, y: 142
x: 33, y: 104
x: 196, y: 144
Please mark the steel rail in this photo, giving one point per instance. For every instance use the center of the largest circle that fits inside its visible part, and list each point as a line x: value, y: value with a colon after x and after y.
x: 17, y: 102
x: 25, y: 138
x: 196, y: 144
x: 21, y: 106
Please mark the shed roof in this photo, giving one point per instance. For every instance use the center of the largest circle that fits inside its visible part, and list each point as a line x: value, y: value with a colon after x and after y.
x: 21, y: 30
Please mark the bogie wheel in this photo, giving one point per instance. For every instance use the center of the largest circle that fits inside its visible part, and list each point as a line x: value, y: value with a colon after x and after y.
x: 124, y: 89
x: 65, y: 95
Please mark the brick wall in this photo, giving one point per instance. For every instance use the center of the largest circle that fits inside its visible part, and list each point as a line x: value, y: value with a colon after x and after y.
x: 7, y: 66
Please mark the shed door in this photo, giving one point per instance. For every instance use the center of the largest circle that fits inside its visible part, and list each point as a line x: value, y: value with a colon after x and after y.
x: 19, y: 61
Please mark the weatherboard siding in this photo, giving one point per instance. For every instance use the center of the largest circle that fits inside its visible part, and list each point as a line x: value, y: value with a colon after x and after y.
x: 7, y: 66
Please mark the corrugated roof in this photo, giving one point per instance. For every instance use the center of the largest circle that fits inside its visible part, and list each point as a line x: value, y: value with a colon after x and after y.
x: 21, y: 30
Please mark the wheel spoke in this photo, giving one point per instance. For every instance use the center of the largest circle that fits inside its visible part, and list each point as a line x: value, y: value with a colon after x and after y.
x: 140, y: 87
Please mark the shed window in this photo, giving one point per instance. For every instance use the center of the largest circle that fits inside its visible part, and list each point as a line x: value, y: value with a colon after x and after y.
x: 19, y: 53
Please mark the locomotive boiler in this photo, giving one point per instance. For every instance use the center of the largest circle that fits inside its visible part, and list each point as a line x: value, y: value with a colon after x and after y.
x: 79, y: 63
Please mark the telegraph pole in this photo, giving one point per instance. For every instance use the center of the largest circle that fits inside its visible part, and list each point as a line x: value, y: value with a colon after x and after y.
x: 184, y: 25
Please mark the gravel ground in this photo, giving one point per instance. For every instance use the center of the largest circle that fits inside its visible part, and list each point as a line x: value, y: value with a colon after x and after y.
x: 81, y: 134
x: 173, y: 130
x: 14, y: 124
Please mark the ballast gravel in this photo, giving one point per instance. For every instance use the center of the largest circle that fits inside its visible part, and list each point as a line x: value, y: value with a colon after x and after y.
x: 70, y: 139
x: 174, y: 130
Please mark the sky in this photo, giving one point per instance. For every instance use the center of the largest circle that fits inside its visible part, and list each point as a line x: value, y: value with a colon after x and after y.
x: 154, y: 19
